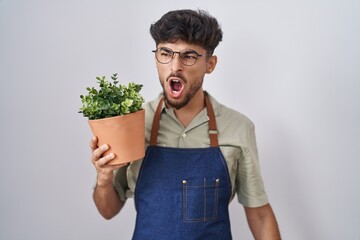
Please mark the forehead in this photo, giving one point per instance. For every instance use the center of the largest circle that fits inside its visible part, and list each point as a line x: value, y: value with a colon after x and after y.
x: 180, y: 45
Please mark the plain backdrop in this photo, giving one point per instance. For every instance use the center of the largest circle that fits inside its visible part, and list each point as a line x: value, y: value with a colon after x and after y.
x: 291, y: 66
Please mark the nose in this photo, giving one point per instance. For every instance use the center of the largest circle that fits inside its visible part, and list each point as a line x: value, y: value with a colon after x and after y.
x: 176, y: 64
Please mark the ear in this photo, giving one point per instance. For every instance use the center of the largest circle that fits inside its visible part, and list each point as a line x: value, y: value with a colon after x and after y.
x: 211, y: 64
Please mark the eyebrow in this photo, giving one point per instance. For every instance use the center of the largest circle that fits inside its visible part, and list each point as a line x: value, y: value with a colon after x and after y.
x: 166, y: 49
x: 187, y: 51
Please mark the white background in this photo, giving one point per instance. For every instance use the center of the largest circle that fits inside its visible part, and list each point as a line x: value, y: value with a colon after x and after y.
x: 291, y: 66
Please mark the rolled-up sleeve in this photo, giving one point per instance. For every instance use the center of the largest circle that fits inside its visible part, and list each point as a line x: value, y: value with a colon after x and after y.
x: 249, y: 184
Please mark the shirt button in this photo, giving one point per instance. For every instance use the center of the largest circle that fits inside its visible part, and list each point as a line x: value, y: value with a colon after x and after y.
x: 183, y: 134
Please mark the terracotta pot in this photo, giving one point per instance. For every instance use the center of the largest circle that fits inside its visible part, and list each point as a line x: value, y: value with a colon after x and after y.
x: 124, y: 134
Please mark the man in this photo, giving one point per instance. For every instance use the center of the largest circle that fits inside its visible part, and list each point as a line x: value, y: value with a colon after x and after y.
x: 199, y: 152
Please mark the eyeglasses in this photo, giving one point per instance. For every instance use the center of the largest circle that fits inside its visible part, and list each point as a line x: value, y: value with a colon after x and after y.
x: 166, y: 55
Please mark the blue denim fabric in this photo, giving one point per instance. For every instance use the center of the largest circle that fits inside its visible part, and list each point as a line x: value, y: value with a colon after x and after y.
x: 183, y: 194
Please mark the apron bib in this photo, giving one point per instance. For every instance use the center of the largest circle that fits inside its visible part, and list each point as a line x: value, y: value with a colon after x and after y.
x: 183, y: 193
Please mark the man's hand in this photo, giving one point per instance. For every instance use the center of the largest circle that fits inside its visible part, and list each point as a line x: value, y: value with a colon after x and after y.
x: 105, y: 197
x: 105, y: 173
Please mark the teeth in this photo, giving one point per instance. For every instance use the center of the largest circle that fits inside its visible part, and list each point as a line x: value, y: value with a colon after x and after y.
x: 175, y: 85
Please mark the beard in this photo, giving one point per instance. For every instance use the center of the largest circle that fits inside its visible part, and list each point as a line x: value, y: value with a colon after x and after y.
x: 190, y: 89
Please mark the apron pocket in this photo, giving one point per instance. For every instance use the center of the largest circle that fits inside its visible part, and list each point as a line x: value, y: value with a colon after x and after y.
x: 200, y: 200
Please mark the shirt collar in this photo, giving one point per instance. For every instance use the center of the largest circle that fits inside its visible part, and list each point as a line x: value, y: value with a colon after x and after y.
x: 216, y: 105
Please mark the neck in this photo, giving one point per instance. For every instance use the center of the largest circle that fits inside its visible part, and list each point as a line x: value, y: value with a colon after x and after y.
x: 186, y: 114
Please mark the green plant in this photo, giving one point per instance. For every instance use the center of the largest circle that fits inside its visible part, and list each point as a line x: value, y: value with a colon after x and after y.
x: 112, y: 99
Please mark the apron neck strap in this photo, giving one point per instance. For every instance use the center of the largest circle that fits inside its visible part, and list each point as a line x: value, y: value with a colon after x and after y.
x: 156, y: 123
x: 213, y: 133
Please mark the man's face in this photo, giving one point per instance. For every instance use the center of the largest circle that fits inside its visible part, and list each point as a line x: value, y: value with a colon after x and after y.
x: 179, y: 81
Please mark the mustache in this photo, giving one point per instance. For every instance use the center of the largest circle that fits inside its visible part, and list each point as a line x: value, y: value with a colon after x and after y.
x: 177, y: 75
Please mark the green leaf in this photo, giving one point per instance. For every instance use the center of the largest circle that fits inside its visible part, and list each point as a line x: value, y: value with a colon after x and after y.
x: 111, y: 99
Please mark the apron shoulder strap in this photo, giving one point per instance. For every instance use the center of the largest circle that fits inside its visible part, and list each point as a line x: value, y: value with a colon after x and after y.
x: 156, y: 123
x: 213, y: 133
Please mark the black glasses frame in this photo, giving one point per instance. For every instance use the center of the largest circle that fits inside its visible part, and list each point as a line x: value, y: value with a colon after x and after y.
x: 181, y: 54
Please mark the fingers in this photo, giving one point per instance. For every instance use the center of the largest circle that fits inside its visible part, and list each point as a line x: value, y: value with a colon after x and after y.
x: 99, y: 151
x: 101, y: 162
x: 93, y: 143
x: 98, y: 158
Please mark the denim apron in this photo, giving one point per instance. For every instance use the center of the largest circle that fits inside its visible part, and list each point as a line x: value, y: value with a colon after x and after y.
x: 183, y: 193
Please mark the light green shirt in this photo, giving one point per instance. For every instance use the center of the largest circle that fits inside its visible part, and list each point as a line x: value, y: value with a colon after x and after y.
x: 236, y: 140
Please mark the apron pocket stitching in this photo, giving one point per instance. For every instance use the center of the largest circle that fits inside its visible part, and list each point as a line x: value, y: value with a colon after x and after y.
x: 198, y: 199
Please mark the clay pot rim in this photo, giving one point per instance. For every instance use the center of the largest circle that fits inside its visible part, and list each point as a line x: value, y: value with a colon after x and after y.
x: 125, y: 115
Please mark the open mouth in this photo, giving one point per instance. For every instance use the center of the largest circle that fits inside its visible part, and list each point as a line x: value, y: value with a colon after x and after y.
x: 176, y: 87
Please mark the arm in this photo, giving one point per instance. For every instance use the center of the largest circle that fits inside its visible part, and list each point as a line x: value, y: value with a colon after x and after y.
x: 107, y: 201
x: 262, y: 223
x: 105, y: 197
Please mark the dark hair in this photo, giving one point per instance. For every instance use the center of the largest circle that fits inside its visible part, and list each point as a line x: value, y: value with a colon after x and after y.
x: 195, y: 27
